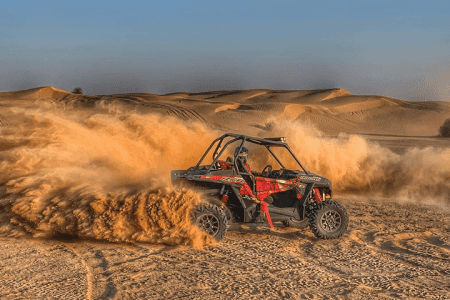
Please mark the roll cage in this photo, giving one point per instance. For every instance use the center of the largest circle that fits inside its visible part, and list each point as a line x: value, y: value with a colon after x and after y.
x: 266, y: 142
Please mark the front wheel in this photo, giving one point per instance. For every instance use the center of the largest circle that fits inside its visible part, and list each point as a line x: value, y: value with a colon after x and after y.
x: 211, y: 219
x: 328, y: 220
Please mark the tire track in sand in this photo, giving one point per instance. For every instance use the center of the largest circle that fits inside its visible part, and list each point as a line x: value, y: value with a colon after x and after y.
x: 99, y: 283
x: 89, y: 271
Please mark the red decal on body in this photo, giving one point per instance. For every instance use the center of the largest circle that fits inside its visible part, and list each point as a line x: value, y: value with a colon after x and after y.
x: 267, y: 186
x: 246, y: 190
x: 264, y: 188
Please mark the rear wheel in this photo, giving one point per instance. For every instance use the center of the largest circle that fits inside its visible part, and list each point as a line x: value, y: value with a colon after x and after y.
x: 328, y: 220
x: 226, y: 210
x: 211, y: 219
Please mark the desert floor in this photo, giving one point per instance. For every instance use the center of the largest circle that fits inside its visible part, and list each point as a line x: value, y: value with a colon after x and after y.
x: 390, y: 251
x: 394, y: 248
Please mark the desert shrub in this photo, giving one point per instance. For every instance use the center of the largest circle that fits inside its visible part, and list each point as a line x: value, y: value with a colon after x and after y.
x: 444, y: 131
x: 77, y: 90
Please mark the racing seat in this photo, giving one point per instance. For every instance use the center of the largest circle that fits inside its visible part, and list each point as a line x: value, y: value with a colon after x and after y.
x: 226, y: 164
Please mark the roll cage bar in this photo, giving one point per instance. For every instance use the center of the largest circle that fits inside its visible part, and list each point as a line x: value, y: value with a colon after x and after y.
x: 267, y: 142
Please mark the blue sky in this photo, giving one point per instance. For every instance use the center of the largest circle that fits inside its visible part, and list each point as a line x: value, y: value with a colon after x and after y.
x: 394, y: 48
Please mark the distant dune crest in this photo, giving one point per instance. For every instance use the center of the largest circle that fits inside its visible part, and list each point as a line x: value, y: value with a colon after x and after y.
x: 330, y: 110
x: 47, y: 92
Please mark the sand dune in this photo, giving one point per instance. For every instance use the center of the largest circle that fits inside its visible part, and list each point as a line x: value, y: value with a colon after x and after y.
x: 87, y: 211
x: 354, y: 113
x: 49, y: 93
x: 332, y: 111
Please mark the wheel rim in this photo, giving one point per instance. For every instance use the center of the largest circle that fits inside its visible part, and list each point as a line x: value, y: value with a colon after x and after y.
x: 209, y: 223
x: 330, y: 221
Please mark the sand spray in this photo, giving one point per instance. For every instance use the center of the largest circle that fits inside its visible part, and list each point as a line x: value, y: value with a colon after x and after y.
x: 104, y: 172
x: 358, y: 166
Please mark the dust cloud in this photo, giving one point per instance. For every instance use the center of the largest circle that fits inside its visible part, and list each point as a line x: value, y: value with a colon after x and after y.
x: 98, y: 174
x: 357, y: 166
x: 103, y: 172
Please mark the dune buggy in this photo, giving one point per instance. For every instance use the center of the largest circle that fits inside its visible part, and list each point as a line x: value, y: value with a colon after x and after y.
x: 235, y: 194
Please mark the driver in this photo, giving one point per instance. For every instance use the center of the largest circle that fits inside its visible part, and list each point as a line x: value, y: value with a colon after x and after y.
x: 242, y: 160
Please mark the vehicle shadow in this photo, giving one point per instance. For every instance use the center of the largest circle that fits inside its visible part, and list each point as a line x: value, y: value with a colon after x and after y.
x: 278, y: 231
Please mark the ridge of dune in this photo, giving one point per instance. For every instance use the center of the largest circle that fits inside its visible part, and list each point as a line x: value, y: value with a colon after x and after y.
x: 256, y: 95
x: 292, y: 111
x: 337, y: 93
x: 226, y: 107
x: 347, y: 99
x: 362, y: 106
x: 48, y: 92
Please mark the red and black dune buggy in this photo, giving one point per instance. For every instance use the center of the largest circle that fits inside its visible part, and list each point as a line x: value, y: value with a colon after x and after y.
x: 235, y: 193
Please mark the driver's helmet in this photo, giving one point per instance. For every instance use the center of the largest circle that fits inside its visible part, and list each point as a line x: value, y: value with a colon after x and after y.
x: 242, y: 154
